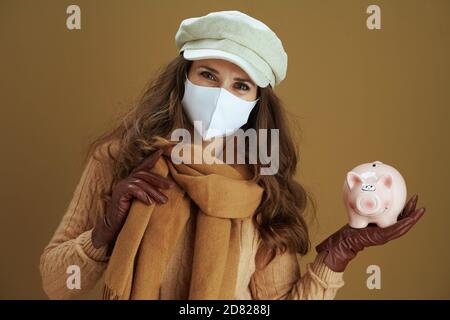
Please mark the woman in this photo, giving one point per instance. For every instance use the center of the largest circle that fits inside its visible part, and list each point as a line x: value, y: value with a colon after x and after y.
x: 216, y: 231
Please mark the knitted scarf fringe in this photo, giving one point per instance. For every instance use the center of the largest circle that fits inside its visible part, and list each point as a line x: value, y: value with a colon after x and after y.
x: 109, y: 294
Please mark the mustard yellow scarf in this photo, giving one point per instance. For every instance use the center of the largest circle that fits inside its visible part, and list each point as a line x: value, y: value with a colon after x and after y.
x: 223, y: 195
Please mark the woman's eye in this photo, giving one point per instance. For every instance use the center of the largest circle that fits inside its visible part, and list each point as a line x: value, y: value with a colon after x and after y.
x: 207, y: 75
x: 242, y: 86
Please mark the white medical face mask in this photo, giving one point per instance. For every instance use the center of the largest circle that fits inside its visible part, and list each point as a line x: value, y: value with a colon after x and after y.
x: 215, y: 111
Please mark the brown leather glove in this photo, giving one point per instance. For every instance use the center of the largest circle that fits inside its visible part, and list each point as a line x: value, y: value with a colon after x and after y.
x: 141, y: 184
x: 344, y: 244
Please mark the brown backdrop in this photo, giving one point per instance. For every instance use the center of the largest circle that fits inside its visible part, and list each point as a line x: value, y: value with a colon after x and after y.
x: 358, y: 95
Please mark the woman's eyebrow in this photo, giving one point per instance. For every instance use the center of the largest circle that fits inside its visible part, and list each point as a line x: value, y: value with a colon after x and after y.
x: 245, y: 80
x: 217, y: 72
x: 210, y: 69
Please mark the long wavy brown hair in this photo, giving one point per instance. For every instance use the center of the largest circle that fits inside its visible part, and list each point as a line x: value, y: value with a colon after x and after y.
x: 280, y: 217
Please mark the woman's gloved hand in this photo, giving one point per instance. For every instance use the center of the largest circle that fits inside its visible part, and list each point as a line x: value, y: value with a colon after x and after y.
x: 343, y: 245
x: 141, y: 184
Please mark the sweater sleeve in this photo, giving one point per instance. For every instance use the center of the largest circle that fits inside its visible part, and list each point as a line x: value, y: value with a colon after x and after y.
x: 70, y: 249
x: 281, y: 279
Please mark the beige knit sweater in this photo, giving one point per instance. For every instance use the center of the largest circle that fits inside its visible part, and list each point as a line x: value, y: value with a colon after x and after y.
x: 71, y: 245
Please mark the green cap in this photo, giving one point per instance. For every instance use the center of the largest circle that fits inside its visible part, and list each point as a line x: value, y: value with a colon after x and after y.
x: 236, y: 37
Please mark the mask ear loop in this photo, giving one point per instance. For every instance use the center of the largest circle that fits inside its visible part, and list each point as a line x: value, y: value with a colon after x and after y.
x: 258, y: 97
x: 186, y: 77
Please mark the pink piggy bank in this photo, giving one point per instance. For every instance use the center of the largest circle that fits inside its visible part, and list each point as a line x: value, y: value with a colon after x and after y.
x: 374, y: 193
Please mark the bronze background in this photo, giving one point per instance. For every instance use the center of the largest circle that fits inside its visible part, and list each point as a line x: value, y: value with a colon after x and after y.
x: 358, y: 95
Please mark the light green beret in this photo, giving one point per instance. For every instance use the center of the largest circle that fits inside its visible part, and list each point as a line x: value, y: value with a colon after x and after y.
x: 238, y: 38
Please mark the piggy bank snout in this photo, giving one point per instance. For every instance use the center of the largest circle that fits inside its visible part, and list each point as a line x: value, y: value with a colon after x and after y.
x: 368, y: 204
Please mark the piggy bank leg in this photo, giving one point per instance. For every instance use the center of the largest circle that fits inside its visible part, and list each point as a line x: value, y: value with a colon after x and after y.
x: 358, y: 222
x: 386, y: 221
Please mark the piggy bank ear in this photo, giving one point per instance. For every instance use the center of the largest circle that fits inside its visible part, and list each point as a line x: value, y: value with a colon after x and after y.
x: 352, y: 179
x: 386, y: 180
